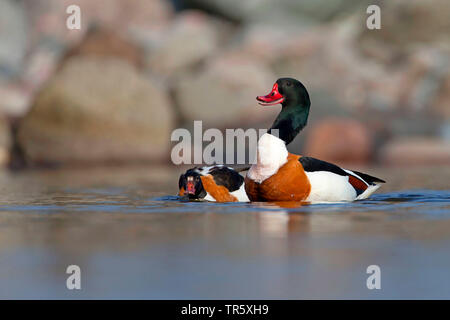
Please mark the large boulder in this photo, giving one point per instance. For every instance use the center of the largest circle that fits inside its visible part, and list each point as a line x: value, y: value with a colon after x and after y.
x: 15, y: 99
x: 339, y: 140
x: 223, y: 93
x: 192, y: 37
x: 106, y: 42
x: 97, y: 110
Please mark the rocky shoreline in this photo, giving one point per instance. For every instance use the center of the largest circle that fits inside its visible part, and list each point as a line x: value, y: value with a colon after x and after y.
x: 113, y: 91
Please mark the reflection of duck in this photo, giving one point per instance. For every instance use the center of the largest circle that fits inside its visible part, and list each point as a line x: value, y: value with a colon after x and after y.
x: 218, y: 183
x: 281, y: 176
x: 281, y: 223
x: 288, y: 204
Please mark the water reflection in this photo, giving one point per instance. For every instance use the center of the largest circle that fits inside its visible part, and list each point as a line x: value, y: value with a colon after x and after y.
x: 274, y: 224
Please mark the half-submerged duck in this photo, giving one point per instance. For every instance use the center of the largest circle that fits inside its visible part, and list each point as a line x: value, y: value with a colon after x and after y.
x: 279, y: 175
x: 217, y: 183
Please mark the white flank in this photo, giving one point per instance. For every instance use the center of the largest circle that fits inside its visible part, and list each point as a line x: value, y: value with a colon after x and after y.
x: 329, y: 187
x: 209, y: 197
x: 240, y: 194
x: 271, y: 154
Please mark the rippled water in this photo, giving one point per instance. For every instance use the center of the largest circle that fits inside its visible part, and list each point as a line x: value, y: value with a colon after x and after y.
x: 133, y: 239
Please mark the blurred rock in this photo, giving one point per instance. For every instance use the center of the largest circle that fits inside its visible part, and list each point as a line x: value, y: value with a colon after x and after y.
x: 215, y: 69
x: 5, y: 141
x: 119, y: 14
x: 15, y: 99
x: 13, y: 37
x: 445, y: 131
x: 441, y: 103
x: 405, y: 23
x: 339, y: 140
x: 264, y: 41
x: 282, y: 11
x: 39, y: 66
x: 103, y: 42
x: 327, y: 59
x: 48, y: 17
x: 412, y: 124
x: 423, y: 78
x: 304, y: 54
x: 233, y: 9
x: 224, y: 92
x: 416, y: 151
x: 97, y: 110
x: 192, y: 37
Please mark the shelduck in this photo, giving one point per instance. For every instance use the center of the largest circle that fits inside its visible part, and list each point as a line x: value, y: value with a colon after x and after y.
x: 279, y: 175
x: 217, y: 183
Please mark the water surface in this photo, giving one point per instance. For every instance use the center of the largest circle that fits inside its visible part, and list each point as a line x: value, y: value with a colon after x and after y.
x: 132, y: 238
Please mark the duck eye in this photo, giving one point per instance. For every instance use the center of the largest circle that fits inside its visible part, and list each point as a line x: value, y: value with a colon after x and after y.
x: 288, y: 83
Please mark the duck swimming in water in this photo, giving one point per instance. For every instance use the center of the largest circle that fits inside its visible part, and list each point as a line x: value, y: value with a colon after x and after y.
x: 217, y: 183
x: 279, y: 175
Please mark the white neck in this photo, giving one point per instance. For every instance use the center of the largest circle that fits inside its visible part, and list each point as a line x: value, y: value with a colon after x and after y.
x: 271, y: 154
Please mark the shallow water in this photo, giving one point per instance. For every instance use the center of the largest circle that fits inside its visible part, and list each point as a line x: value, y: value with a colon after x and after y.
x: 132, y: 239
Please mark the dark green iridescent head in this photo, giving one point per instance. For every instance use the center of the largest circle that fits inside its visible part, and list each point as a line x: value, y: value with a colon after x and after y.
x: 295, y: 105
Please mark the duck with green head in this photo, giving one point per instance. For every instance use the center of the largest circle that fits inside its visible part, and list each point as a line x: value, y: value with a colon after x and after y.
x: 279, y: 175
